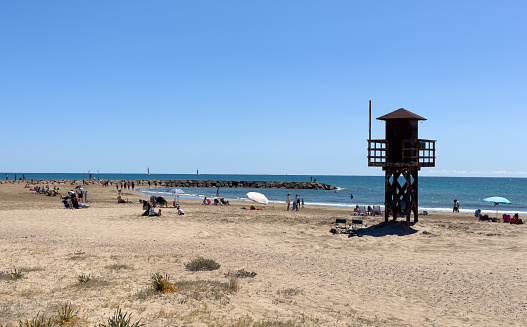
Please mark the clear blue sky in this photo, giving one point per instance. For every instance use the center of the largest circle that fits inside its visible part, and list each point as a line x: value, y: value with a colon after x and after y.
x: 259, y: 87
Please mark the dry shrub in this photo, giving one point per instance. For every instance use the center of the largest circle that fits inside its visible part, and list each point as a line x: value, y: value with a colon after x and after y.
x: 201, y: 264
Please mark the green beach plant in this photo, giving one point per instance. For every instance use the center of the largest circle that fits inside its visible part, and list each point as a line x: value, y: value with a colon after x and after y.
x: 83, y: 279
x: 201, y: 264
x: 162, y: 283
x: 66, y: 313
x: 16, y: 274
x: 38, y: 321
x: 121, y: 320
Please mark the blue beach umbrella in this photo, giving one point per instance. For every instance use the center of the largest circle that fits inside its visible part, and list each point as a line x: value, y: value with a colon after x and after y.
x: 497, y: 200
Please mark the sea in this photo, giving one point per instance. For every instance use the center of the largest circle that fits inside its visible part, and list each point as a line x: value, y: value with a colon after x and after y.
x: 435, y: 193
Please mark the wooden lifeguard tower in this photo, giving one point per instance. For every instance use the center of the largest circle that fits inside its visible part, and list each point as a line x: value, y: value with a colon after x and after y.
x: 402, y: 154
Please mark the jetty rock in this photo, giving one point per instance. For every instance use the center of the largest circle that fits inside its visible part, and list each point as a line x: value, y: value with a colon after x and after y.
x: 248, y: 184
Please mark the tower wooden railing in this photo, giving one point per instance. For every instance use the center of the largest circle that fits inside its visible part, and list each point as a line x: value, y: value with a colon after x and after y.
x: 416, y: 152
x: 377, y: 153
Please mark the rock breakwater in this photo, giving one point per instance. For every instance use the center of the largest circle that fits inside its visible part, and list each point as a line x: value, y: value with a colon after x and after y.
x: 249, y: 184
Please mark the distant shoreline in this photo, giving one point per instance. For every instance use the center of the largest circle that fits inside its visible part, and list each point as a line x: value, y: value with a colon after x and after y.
x: 435, y: 194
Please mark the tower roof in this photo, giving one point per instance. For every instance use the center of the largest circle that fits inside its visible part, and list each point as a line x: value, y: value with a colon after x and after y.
x: 401, y: 114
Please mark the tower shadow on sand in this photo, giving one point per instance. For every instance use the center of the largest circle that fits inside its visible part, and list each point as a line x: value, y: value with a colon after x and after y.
x: 398, y: 228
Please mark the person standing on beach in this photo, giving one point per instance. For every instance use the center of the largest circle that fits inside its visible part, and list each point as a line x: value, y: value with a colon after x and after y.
x: 456, y: 206
x: 80, y: 193
x: 297, y: 202
x: 218, y: 192
x: 288, y: 200
x: 133, y: 185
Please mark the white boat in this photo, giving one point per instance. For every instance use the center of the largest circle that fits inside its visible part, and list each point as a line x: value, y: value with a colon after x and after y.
x: 148, y: 171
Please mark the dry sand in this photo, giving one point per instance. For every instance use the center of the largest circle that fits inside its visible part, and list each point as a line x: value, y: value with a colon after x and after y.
x: 446, y: 270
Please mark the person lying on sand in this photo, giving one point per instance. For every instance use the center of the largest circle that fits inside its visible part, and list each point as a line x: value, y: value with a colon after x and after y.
x: 251, y: 208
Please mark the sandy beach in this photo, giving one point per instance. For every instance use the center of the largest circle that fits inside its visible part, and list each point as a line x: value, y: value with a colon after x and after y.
x: 446, y: 270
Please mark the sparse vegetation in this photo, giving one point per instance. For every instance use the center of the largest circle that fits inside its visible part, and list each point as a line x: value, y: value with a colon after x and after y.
x: 66, y: 313
x: 201, y: 289
x: 162, y: 283
x: 38, y: 321
x: 117, y: 267
x: 120, y: 320
x: 78, y: 255
x: 83, y: 279
x: 16, y: 274
x: 249, y: 322
x: 201, y: 264
x: 242, y: 273
x: 289, y: 292
x: 11, y: 275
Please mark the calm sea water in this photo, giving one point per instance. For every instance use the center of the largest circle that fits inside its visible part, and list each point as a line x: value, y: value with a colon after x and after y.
x: 435, y: 193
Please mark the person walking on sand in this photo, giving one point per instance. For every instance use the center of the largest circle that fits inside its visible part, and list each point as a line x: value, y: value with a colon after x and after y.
x: 456, y: 206
x: 288, y: 200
